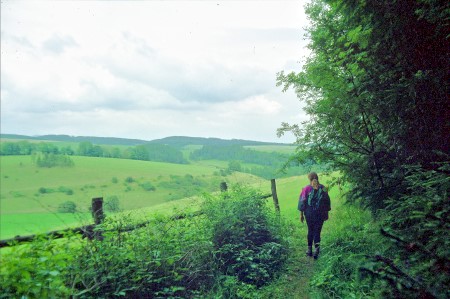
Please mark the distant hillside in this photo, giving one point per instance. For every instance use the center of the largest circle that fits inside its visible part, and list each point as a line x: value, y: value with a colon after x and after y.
x: 180, y: 141
x: 67, y: 138
x: 175, y: 141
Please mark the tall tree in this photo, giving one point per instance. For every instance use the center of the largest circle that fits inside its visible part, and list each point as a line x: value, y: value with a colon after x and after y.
x: 376, y: 90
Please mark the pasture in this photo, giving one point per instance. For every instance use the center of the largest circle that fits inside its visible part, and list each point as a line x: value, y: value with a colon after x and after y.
x: 30, y: 195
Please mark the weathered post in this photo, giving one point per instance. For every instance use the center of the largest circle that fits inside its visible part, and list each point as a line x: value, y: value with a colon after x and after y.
x: 97, y: 213
x: 223, y: 187
x: 275, y: 196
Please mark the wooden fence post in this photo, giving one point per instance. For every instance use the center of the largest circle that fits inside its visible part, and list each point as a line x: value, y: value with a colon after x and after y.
x: 275, y: 196
x: 223, y: 187
x: 97, y: 213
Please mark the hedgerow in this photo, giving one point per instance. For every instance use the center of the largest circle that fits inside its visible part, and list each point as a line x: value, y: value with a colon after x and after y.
x: 234, y: 245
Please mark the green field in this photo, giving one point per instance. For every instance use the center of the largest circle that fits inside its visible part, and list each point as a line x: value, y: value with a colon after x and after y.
x: 27, y: 208
x: 30, y: 195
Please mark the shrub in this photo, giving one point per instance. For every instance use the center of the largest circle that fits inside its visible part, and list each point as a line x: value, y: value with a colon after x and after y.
x: 245, y: 236
x: 37, y: 270
x: 65, y: 190
x: 53, y: 160
x: 67, y: 207
x: 167, y: 259
x: 44, y: 190
x: 417, y: 262
x: 114, y: 180
x: 147, y: 186
x: 112, y: 204
x: 129, y: 180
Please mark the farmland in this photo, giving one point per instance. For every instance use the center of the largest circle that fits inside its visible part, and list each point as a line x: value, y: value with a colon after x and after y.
x: 30, y: 195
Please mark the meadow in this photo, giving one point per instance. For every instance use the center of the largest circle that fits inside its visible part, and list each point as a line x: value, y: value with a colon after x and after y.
x: 26, y: 209
x: 30, y: 195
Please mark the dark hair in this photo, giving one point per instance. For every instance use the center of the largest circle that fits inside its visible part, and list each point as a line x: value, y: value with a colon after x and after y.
x: 312, y: 176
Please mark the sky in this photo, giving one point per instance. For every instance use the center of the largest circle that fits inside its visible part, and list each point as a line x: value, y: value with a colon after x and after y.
x: 150, y: 69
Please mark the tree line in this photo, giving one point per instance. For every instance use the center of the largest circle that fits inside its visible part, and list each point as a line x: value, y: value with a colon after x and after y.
x: 267, y: 164
x: 376, y: 91
x: 148, y: 152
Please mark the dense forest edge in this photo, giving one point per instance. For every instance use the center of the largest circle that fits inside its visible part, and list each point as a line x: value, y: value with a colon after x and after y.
x: 376, y: 91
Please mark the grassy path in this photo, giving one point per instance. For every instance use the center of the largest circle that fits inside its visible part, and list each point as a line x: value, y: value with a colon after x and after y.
x: 294, y: 281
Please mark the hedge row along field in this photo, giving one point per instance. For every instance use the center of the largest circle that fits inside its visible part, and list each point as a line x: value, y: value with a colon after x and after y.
x: 235, y: 246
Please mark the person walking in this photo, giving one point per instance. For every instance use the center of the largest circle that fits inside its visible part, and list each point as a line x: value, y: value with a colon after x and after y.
x: 314, y: 205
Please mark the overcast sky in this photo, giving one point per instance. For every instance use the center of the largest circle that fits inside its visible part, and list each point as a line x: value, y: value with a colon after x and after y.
x: 150, y: 69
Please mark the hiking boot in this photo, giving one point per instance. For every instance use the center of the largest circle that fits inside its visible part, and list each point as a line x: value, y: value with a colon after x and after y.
x: 309, y: 252
x: 317, y: 251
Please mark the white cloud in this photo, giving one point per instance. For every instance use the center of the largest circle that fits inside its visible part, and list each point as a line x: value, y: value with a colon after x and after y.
x: 198, y: 68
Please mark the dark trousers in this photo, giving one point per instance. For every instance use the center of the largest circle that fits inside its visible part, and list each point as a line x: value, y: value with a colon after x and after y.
x: 314, y: 228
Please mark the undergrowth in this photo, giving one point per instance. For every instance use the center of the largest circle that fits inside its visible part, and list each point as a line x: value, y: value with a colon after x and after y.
x: 230, y: 251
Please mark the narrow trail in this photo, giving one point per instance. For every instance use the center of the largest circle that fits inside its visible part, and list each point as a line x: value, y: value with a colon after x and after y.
x: 293, y: 283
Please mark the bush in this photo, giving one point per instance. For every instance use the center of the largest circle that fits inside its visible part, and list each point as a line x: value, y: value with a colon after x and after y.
x: 67, y: 207
x: 147, y: 186
x: 114, y: 180
x: 53, y: 160
x: 65, y: 190
x: 417, y: 262
x: 37, y: 270
x: 44, y: 190
x: 245, y: 236
x: 167, y: 258
x: 129, y: 180
x: 112, y: 204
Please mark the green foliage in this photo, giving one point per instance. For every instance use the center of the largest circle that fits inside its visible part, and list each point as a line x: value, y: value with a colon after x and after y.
x: 156, y: 152
x: 129, y: 179
x: 65, y: 190
x: 112, y: 204
x: 244, y: 230
x: 267, y: 165
x: 53, y: 160
x: 165, y: 258
x: 86, y: 148
x: 36, y: 270
x: 237, y: 153
x: 234, y: 166
x: 348, y: 238
x: 375, y: 88
x: 417, y: 262
x: 188, y: 185
x: 147, y: 186
x: 67, y: 207
x: 376, y: 91
x: 114, y: 180
x: 43, y: 190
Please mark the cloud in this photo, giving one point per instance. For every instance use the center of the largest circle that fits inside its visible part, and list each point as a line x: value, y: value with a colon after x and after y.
x: 57, y: 44
x: 148, y: 69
